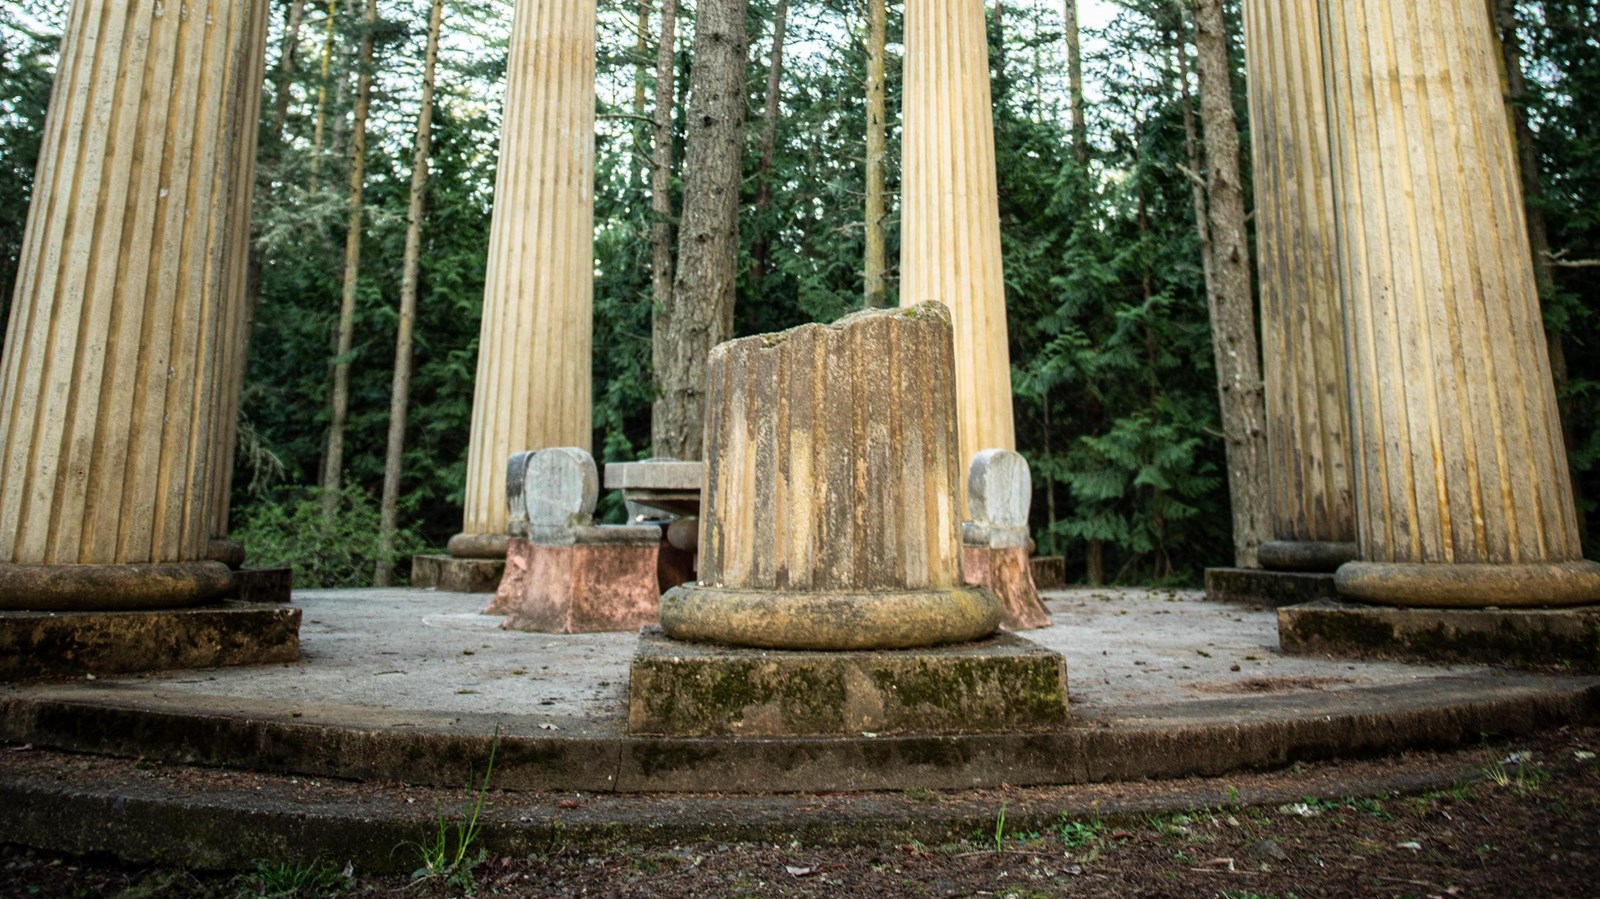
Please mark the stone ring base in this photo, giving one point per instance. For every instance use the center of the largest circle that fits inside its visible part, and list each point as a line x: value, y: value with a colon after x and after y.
x: 478, y: 546
x: 111, y: 588
x: 768, y: 619
x: 1446, y: 586
x: 1306, y: 555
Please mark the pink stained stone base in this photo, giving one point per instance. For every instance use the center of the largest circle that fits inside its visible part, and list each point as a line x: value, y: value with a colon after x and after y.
x: 577, y: 589
x: 1008, y: 575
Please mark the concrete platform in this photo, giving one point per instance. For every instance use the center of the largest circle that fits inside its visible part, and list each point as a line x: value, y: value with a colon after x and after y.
x: 413, y: 685
x: 1270, y: 589
x: 1542, y: 639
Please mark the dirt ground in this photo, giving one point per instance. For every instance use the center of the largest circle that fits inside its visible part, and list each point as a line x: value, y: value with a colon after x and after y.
x: 1527, y: 823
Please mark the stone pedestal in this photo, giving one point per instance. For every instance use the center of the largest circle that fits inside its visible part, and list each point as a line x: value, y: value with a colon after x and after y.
x: 950, y: 221
x: 533, y: 382
x: 1269, y: 589
x: 448, y: 574
x: 1049, y: 572
x: 1462, y: 492
x: 563, y: 574
x: 994, y: 551
x: 1544, y: 639
x: 830, y: 564
x: 116, y: 363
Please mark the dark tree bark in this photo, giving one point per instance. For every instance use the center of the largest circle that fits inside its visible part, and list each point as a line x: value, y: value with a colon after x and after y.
x: 1080, y: 126
x: 662, y: 230
x: 877, y: 263
x: 699, y: 314
x: 761, y: 250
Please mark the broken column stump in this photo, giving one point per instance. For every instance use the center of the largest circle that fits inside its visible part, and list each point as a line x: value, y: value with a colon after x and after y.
x: 831, y: 598
x: 994, y: 544
x: 565, y: 575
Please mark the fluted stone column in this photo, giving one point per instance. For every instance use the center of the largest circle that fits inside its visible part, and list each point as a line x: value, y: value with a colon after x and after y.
x: 829, y: 519
x: 113, y: 362
x: 1313, y: 519
x: 533, y: 386
x: 950, y: 217
x: 1462, y: 490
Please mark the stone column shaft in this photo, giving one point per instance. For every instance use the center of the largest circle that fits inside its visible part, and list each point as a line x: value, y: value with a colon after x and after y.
x: 533, y: 385
x: 950, y: 216
x: 112, y: 361
x: 1313, y: 520
x: 1462, y: 490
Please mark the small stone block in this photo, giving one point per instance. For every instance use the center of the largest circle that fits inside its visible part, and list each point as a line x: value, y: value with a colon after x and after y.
x: 1270, y: 589
x: 1528, y: 638
x: 586, y: 588
x: 263, y: 584
x: 72, y: 644
x: 1006, y: 572
x: 1049, y: 572
x: 449, y: 574
x: 999, y: 489
x: 1003, y: 684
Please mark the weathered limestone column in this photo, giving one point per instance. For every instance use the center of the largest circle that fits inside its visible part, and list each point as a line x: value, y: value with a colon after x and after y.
x: 1313, y: 519
x: 829, y: 519
x: 533, y: 386
x: 109, y: 380
x: 1462, y: 491
x: 950, y: 217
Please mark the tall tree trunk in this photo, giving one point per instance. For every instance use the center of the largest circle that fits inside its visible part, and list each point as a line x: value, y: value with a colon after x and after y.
x: 1505, y: 12
x: 1001, y: 82
x: 877, y: 263
x: 662, y: 231
x: 333, y: 462
x: 1233, y: 320
x: 1197, y: 187
x: 700, y: 313
x: 641, y: 93
x: 761, y: 251
x: 319, y: 130
x: 286, y: 57
x: 400, y: 390
x: 1080, y: 126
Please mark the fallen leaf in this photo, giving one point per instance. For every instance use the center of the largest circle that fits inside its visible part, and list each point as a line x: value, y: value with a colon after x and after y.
x: 1218, y: 863
x: 1413, y: 845
x: 548, y: 727
x: 23, y: 748
x: 799, y: 872
x: 569, y: 803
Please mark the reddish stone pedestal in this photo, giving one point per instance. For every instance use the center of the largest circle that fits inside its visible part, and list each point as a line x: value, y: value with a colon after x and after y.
x: 1006, y: 572
x: 581, y: 588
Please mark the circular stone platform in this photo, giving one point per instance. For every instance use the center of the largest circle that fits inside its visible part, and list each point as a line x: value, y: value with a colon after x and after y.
x: 414, y: 685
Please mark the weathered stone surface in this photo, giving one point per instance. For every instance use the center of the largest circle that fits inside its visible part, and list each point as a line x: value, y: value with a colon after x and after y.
x: 1458, y: 449
x: 830, y: 519
x: 582, y: 588
x: 453, y: 575
x: 1001, y: 684
x: 1049, y: 572
x: 1308, y: 424
x: 263, y: 585
x: 533, y: 381
x: 659, y: 487
x: 44, y: 644
x: 516, y: 503
x: 1533, y: 638
x: 1257, y: 587
x: 1007, y: 573
x: 63, y: 588
x: 559, y: 492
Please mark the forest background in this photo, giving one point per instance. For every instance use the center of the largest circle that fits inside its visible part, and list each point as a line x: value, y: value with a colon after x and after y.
x: 1103, y: 229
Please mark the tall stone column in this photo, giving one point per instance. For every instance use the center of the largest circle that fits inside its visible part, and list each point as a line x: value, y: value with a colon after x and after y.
x: 1462, y: 491
x: 950, y: 216
x: 1313, y: 519
x: 533, y: 387
x: 109, y: 382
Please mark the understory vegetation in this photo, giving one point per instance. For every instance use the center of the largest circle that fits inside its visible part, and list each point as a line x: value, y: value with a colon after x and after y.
x: 1115, y: 392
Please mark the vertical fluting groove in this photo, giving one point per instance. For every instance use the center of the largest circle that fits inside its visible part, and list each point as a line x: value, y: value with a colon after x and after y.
x: 1310, y: 486
x: 110, y: 378
x: 1451, y: 396
x: 533, y: 377
x: 950, y: 249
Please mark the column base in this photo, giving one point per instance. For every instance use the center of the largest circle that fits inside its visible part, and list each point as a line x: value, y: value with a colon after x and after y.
x: 263, y: 585
x: 1567, y: 639
x: 478, y: 546
x: 1470, y: 585
x: 1049, y: 572
x: 1271, y: 589
x: 452, y: 575
x: 66, y: 644
x: 90, y: 588
x: 1306, y: 555
x: 829, y: 621
x: 1000, y: 685
x: 579, y: 589
x: 1005, y: 572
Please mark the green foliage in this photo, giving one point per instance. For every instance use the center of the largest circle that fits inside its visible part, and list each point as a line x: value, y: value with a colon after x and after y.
x: 452, y: 853
x: 292, y: 529
x: 288, y: 880
x: 1079, y: 834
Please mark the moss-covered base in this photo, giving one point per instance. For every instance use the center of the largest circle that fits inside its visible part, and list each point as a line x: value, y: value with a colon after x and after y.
x: 999, y: 685
x: 44, y: 644
x: 1271, y: 589
x: 1528, y: 638
x: 452, y: 575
